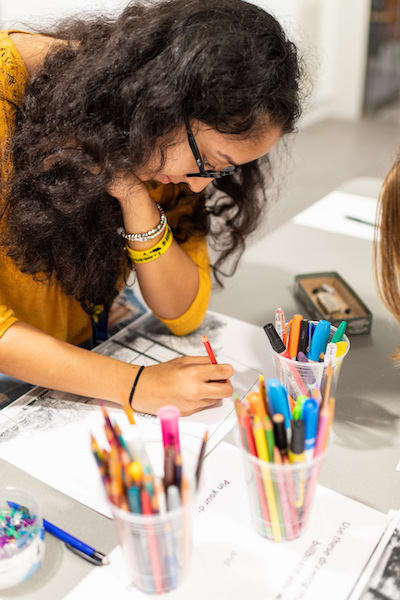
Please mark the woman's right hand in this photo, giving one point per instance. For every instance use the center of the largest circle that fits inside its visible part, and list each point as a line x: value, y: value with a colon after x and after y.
x: 191, y: 383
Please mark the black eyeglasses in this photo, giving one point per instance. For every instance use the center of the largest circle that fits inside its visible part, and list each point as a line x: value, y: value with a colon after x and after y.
x: 203, y: 172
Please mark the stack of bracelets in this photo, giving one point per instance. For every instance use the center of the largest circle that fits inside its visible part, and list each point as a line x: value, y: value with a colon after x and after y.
x: 143, y: 256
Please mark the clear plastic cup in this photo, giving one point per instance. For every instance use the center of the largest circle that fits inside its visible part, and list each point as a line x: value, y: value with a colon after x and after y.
x: 280, y: 496
x: 300, y: 378
x: 157, y: 548
x: 22, y: 550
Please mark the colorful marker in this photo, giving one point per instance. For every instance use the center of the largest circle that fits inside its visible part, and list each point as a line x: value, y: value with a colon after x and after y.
x: 169, y: 417
x: 339, y: 333
x: 310, y: 418
x: 278, y: 400
x: 303, y: 338
x: 319, y: 340
x: 294, y: 336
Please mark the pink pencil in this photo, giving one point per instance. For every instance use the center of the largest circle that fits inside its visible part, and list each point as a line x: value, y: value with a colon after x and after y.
x: 292, y: 500
x: 287, y: 517
x: 152, y: 543
x: 322, y: 433
x: 323, y: 426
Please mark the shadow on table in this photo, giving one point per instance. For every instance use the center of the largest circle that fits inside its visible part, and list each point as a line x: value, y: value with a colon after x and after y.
x: 360, y: 424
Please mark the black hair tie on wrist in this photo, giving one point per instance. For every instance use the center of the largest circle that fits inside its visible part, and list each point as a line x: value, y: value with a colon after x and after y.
x: 138, y: 374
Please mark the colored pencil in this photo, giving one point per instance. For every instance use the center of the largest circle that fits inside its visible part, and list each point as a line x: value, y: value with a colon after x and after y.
x: 200, y: 459
x: 210, y: 352
x: 262, y: 451
x: 286, y: 512
x: 152, y: 542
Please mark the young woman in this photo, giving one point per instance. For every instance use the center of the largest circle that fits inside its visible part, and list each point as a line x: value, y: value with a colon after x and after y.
x: 387, y: 243
x: 110, y: 133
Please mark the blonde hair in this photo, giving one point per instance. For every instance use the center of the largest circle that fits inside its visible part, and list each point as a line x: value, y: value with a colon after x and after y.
x: 387, y: 244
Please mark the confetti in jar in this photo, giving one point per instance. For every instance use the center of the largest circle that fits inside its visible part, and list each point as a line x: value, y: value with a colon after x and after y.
x: 21, y: 537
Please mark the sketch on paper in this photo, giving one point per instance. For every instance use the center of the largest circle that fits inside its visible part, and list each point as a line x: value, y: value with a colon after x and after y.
x: 145, y: 342
x: 151, y: 331
x: 384, y: 583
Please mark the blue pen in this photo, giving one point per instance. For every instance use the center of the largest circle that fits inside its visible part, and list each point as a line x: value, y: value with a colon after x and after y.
x: 319, y: 340
x: 72, y: 543
x: 278, y: 400
x: 310, y: 417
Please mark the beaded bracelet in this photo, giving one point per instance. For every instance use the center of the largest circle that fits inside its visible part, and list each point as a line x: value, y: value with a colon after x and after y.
x: 147, y: 235
x: 143, y: 256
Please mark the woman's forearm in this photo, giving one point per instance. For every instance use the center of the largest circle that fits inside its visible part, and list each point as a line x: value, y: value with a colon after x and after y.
x: 33, y: 356
x: 191, y: 383
x: 170, y: 283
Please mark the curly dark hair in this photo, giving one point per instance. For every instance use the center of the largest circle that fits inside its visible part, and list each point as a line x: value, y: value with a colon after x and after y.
x: 115, y: 88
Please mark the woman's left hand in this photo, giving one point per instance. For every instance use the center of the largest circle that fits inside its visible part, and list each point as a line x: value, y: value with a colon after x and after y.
x: 125, y: 186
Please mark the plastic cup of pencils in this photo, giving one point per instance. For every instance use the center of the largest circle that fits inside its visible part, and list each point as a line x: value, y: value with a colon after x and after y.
x: 21, y: 536
x: 157, y: 547
x: 281, y: 494
x: 301, y: 377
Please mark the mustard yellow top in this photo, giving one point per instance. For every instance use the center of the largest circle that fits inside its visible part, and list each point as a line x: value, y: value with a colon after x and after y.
x: 44, y: 304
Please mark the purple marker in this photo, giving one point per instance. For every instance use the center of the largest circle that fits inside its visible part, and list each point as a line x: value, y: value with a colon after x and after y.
x: 307, y: 373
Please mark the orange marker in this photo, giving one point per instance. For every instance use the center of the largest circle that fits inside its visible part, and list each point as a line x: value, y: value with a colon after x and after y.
x: 294, y: 336
x: 256, y: 405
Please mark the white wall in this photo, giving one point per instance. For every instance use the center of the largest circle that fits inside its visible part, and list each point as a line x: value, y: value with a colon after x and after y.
x: 332, y: 35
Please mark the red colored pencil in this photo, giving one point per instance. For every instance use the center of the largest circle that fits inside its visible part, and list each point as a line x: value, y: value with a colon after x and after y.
x: 250, y: 445
x: 152, y: 543
x: 210, y: 352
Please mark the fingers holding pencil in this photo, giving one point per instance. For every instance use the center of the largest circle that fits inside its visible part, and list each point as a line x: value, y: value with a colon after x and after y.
x: 187, y: 382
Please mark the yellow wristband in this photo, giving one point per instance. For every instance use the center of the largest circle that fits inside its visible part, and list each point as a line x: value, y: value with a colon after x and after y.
x: 143, y: 256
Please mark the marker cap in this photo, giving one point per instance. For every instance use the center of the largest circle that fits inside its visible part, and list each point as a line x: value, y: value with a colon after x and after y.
x: 297, y: 441
x: 303, y: 338
x: 169, y: 416
x: 278, y: 421
x: 319, y: 340
x: 339, y: 333
x: 310, y: 418
x: 256, y: 404
x: 278, y: 399
x: 274, y: 339
x: 341, y: 349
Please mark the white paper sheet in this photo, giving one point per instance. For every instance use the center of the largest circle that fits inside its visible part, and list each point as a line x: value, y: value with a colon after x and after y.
x: 333, y: 211
x: 46, y: 433
x: 231, y: 562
